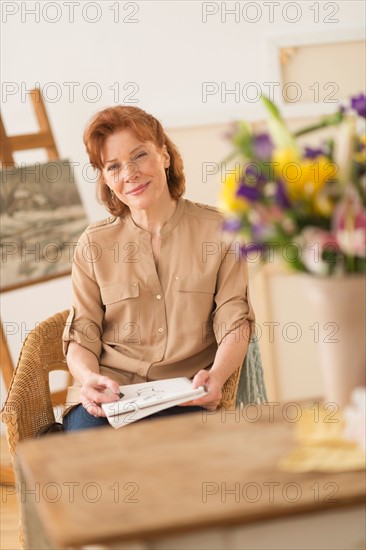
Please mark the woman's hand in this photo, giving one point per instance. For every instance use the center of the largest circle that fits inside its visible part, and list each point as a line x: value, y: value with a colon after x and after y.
x: 229, y: 356
x: 212, y: 399
x: 97, y: 389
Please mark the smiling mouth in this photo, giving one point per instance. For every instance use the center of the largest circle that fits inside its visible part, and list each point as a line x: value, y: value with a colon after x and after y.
x: 138, y: 190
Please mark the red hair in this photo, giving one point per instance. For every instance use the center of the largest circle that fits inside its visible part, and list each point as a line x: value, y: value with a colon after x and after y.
x: 146, y: 128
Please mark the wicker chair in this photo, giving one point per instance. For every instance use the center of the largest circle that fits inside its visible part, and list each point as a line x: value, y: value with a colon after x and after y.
x: 28, y: 407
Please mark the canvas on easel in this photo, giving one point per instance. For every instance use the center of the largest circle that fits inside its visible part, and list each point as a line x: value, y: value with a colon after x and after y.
x: 41, y: 216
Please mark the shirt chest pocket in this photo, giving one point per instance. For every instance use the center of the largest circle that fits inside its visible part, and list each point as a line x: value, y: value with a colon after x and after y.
x: 200, y: 284
x: 195, y: 297
x: 121, y: 302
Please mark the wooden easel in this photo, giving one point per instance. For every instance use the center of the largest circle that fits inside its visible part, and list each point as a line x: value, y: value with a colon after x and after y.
x: 40, y: 140
x: 8, y: 146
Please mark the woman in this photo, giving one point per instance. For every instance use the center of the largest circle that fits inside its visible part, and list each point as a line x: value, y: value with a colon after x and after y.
x: 157, y: 291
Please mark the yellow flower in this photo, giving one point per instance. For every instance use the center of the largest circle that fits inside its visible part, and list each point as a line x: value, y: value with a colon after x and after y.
x: 323, y: 205
x: 362, y: 139
x: 284, y: 156
x: 228, y: 200
x: 360, y: 157
x: 304, y: 178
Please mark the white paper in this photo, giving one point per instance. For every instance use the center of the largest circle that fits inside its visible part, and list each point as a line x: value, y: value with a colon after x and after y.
x: 141, y: 400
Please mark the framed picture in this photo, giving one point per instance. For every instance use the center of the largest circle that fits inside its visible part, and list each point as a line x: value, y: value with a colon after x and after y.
x: 41, y: 219
x: 312, y: 72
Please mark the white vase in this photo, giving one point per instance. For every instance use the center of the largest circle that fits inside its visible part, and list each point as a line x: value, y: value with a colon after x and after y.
x: 341, y: 302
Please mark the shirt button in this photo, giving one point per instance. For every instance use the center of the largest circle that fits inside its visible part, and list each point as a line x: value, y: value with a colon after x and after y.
x: 140, y: 371
x: 160, y: 329
x: 158, y: 296
x: 156, y: 357
x: 177, y: 278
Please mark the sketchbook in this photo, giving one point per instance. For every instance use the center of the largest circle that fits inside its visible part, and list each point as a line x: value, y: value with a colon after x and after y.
x: 141, y: 400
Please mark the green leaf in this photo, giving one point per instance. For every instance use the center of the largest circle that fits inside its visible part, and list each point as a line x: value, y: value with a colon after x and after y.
x: 280, y: 134
x: 271, y: 107
x: 243, y: 139
x: 328, y: 120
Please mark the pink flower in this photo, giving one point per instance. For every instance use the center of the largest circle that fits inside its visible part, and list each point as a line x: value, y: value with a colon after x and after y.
x: 349, y: 226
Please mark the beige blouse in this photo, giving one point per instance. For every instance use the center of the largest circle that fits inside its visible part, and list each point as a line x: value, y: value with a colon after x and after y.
x: 146, y: 323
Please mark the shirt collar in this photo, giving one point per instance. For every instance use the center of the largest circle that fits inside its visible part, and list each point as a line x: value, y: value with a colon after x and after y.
x: 168, y: 226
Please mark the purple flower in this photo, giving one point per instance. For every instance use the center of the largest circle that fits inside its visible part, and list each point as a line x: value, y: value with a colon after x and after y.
x: 232, y: 225
x: 248, y: 192
x: 262, y: 146
x: 246, y: 249
x: 311, y: 153
x: 358, y: 103
x: 254, y: 174
x: 281, y: 197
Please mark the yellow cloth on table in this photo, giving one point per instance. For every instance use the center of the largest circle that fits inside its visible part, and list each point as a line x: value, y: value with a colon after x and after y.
x: 321, y: 445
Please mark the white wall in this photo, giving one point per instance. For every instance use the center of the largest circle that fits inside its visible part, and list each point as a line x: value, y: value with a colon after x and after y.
x: 167, y: 53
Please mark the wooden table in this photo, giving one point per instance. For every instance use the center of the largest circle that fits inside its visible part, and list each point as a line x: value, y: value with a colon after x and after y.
x: 206, y: 480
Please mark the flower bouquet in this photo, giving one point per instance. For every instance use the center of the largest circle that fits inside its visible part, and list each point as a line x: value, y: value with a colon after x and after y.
x: 306, y: 204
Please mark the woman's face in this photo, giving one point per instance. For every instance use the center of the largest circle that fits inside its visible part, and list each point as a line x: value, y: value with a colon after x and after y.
x: 135, y: 170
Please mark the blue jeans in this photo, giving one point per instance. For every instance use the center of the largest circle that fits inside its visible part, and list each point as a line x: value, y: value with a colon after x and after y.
x: 78, y: 418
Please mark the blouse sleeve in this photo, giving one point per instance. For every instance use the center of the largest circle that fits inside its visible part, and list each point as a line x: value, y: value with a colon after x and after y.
x: 84, y: 324
x: 232, y: 302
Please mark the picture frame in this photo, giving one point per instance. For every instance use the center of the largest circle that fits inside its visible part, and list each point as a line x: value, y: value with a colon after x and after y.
x: 41, y: 219
x: 314, y: 55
